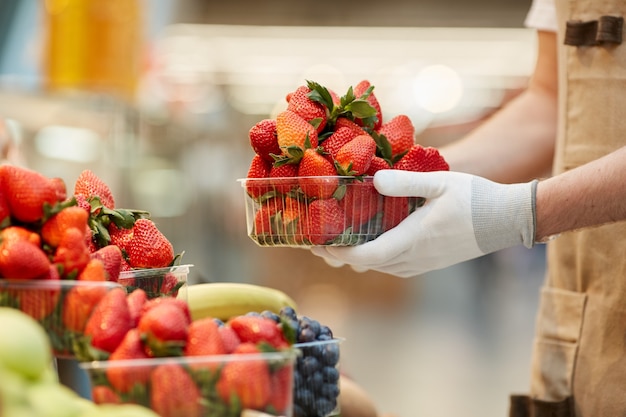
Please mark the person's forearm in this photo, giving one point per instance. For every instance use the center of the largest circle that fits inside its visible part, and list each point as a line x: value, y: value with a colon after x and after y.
x: 590, y: 195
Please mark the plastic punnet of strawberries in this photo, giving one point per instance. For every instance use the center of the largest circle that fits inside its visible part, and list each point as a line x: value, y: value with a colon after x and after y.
x: 61, y: 254
x: 310, y: 180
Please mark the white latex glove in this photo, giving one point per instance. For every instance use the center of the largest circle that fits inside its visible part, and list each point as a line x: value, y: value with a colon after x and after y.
x: 464, y: 217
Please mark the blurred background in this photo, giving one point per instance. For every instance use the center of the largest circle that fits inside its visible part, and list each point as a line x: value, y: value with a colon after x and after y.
x: 157, y: 97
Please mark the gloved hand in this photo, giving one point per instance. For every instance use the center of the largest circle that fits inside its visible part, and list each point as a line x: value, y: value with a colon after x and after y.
x: 464, y: 217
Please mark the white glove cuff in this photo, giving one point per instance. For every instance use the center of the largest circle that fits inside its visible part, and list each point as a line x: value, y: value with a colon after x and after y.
x: 506, y: 222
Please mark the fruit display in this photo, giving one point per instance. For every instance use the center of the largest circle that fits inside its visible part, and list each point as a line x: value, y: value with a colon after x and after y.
x: 29, y: 386
x: 310, y: 179
x: 60, y: 254
x: 160, y: 358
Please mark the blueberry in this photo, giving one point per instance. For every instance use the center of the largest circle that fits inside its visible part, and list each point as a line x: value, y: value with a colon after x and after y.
x: 270, y: 315
x: 331, y: 374
x: 253, y: 314
x: 306, y: 335
x: 219, y: 322
x: 304, y: 397
x: 329, y: 390
x: 309, y: 365
x: 323, y: 406
x: 289, y: 312
x: 331, y: 354
x: 325, y: 330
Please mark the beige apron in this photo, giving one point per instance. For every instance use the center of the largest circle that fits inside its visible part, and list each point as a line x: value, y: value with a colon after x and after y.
x: 579, y: 354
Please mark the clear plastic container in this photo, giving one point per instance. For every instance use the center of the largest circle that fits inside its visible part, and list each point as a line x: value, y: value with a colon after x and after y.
x: 316, y: 379
x: 320, y: 211
x: 203, y: 386
x: 157, y: 282
x: 63, y: 308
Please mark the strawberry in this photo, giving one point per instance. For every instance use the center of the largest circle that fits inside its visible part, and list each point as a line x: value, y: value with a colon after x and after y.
x: 294, y: 219
x: 282, y: 382
x: 15, y: 233
x: 54, y: 228
x: 395, y: 209
x: 400, y: 134
x: 361, y: 203
x: 72, y: 252
x: 148, y: 248
x: 204, y: 338
x: 5, y: 210
x: 93, y: 271
x: 259, y: 168
x: 230, y: 340
x: 120, y: 236
x: 264, y: 139
x: 420, y: 159
x: 257, y: 329
x: 314, y: 164
x: 376, y: 165
x: 123, y: 377
x: 181, y: 304
x: 294, y: 134
x: 280, y: 177
x: 103, y: 394
x: 248, y: 380
x: 311, y: 111
x: 359, y: 90
x: 88, y: 184
x: 78, y: 305
x: 264, y: 218
x: 354, y: 158
x: 173, y: 393
x: 337, y: 139
x: 109, y: 321
x: 136, y: 301
x: 345, y: 122
x: 59, y: 187
x: 111, y: 258
x: 39, y: 303
x: 26, y: 192
x: 164, y: 329
x: 325, y: 221
x: 434, y: 161
x: 22, y: 259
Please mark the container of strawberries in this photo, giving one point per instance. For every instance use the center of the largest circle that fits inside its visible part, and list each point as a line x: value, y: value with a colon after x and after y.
x: 61, y: 254
x: 204, y: 368
x: 310, y: 181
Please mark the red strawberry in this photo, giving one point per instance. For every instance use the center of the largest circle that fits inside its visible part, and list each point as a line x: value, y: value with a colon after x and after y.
x: 282, y: 392
x: 345, y: 122
x: 120, y: 236
x: 109, y: 321
x: 361, y: 203
x: 15, y: 233
x: 256, y: 329
x: 340, y: 137
x: 5, y: 210
x: 325, y: 221
x: 136, y: 301
x: 173, y: 393
x: 164, y: 328
x: 230, y: 340
x: 395, y: 209
x: 93, y: 271
x: 123, y: 377
x: 280, y: 177
x: 72, y: 252
x: 90, y: 185
x: 22, y: 259
x: 400, y: 134
x: 148, y: 248
x: 53, y: 230
x: 420, y: 159
x: 59, y: 187
x: 111, y: 258
x: 248, y: 380
x: 311, y: 111
x: 354, y: 158
x: 294, y: 134
x: 294, y: 219
x: 259, y: 169
x: 204, y: 338
x: 264, y: 140
x: 313, y: 164
x: 434, y: 161
x: 26, y: 192
x: 377, y: 164
x: 39, y: 303
x: 263, y: 218
x: 359, y: 90
x: 103, y: 394
x: 78, y: 304
x: 169, y: 285
x: 181, y: 304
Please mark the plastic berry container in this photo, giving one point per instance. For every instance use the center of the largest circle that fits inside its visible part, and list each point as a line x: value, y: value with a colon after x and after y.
x: 62, y: 307
x: 316, y: 379
x: 157, y: 282
x: 201, y: 386
x: 320, y: 211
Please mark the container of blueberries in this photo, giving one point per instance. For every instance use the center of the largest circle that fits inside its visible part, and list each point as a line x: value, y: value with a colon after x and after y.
x: 316, y: 372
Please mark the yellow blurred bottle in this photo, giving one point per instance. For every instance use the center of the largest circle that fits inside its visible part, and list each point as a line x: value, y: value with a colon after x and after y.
x: 93, y: 45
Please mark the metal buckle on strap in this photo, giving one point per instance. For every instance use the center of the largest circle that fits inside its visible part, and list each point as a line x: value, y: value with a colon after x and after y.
x: 607, y: 29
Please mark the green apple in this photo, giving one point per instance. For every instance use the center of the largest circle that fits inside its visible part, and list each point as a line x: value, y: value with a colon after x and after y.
x: 53, y: 400
x: 24, y: 344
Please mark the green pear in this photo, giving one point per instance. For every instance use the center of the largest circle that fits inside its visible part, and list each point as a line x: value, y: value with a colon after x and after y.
x: 53, y: 400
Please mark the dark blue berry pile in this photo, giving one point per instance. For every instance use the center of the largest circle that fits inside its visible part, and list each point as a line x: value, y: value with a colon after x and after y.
x: 316, y: 376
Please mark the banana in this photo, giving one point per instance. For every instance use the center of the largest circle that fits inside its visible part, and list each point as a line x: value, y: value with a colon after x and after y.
x: 223, y: 300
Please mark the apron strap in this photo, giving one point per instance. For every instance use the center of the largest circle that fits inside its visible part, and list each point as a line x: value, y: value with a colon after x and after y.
x: 607, y: 29
x: 524, y: 406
